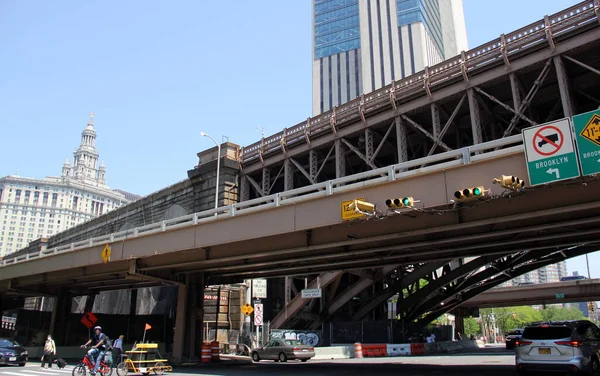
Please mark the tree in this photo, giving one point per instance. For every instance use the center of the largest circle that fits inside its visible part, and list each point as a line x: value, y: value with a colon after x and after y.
x: 554, y: 313
x: 471, y: 327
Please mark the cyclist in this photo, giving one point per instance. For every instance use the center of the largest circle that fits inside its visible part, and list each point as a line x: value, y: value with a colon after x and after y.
x: 98, y: 348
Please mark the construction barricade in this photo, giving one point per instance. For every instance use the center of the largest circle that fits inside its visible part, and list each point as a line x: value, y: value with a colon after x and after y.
x: 402, y: 349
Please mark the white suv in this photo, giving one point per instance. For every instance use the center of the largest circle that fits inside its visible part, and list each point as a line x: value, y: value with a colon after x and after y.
x: 559, y: 346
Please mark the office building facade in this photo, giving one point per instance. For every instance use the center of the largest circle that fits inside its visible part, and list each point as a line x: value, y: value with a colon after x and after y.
x: 362, y: 45
x: 37, y: 208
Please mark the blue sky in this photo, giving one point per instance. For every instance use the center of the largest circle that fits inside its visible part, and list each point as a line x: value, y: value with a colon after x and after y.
x: 156, y: 74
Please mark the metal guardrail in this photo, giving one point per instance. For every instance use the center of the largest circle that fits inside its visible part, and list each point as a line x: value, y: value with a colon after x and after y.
x: 471, y: 62
x: 437, y: 162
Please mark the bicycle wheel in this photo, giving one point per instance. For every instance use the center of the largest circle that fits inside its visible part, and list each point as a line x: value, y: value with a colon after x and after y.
x: 104, y: 369
x: 159, y: 368
x: 122, y: 369
x: 79, y: 370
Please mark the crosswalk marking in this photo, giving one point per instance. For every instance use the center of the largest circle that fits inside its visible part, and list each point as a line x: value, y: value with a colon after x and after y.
x: 33, y: 372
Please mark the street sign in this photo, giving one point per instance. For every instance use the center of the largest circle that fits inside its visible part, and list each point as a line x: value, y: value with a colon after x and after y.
x: 9, y: 322
x: 559, y: 295
x: 106, y: 253
x: 247, y: 309
x: 349, y: 212
x: 259, y: 288
x: 311, y: 293
x: 258, y: 314
x: 549, y: 152
x: 89, y: 319
x: 587, y: 135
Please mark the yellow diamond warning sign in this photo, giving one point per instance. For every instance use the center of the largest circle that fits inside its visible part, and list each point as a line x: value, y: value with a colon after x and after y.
x: 592, y: 130
x: 106, y: 253
x: 247, y: 309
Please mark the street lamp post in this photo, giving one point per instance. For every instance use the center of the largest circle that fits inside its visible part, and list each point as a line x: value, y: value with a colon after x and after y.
x: 218, y: 166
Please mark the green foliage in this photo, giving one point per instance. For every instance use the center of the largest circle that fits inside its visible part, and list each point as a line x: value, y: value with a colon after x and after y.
x: 553, y: 313
x: 471, y: 327
x: 508, y: 318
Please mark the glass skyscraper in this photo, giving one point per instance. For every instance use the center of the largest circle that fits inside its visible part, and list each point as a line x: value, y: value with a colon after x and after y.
x: 362, y: 45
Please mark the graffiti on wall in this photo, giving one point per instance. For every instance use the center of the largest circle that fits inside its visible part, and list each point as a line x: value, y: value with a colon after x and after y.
x: 307, y: 337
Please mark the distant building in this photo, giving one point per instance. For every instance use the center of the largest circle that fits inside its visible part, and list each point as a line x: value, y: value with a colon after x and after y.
x: 362, y: 45
x: 37, y: 208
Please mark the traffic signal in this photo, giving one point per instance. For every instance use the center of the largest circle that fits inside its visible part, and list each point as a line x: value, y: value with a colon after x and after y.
x: 591, y: 306
x: 404, y: 202
x: 469, y: 193
x: 509, y: 182
x: 362, y: 206
x: 514, y: 316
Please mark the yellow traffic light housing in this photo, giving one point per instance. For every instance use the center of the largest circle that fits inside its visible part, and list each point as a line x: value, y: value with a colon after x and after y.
x: 396, y: 203
x: 591, y: 306
x: 509, y: 182
x: 362, y: 206
x: 469, y: 194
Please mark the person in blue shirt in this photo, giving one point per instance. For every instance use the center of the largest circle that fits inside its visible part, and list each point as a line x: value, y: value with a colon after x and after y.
x: 98, y: 348
x: 118, y: 348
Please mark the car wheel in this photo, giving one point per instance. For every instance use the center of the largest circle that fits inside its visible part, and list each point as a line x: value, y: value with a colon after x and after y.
x: 255, y: 357
x: 282, y: 357
x: 21, y: 364
x: 304, y: 360
x: 595, y: 366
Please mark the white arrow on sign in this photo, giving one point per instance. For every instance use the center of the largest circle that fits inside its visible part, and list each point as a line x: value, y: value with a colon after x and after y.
x: 554, y: 171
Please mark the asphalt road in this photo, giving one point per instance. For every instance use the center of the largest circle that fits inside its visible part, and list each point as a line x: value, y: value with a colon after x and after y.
x: 488, y: 362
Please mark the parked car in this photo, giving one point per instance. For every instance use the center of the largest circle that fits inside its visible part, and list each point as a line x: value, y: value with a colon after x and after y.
x: 11, y: 352
x: 280, y: 350
x: 513, y: 335
x: 559, y: 346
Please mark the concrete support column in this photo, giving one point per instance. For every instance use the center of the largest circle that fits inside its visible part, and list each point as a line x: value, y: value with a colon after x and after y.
x: 59, y: 321
x: 459, y: 325
x: 179, y: 337
x: 195, y: 314
x: 132, y: 310
x: 89, y: 302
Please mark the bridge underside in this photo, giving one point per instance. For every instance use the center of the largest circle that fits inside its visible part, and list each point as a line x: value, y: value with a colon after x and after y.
x: 513, y: 233
x: 363, y: 263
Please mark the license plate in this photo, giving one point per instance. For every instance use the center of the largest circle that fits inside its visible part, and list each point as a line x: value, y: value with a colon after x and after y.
x: 12, y: 359
x: 304, y: 349
x: 544, y: 351
x: 142, y: 369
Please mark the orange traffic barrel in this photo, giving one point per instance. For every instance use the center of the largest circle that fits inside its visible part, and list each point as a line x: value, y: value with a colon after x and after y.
x: 205, y: 358
x: 358, y: 350
x: 214, y: 350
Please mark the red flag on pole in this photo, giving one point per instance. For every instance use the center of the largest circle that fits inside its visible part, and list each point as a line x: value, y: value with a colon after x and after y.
x: 147, y: 327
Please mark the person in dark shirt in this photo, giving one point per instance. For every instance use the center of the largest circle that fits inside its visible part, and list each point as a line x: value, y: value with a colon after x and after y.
x: 98, y: 348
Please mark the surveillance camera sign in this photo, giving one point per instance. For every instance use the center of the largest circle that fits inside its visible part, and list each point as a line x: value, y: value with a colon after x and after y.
x: 550, y: 153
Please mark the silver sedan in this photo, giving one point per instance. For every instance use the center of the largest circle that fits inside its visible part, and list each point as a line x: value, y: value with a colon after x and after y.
x: 280, y: 350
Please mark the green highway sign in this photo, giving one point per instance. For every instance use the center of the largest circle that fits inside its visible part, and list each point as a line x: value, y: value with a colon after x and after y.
x: 550, y: 153
x: 587, y: 134
x: 559, y: 295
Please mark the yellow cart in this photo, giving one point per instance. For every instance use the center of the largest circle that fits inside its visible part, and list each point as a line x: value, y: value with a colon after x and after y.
x: 138, y: 361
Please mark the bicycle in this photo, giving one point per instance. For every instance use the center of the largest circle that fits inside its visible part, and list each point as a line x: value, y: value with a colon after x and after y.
x: 86, y: 363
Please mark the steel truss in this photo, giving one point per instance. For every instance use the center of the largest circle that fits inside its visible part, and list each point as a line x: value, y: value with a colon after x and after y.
x: 477, y: 111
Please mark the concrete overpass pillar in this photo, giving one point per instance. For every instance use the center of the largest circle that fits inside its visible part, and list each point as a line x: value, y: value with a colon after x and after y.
x: 132, y: 311
x: 459, y: 324
x: 59, y: 321
x: 180, y: 329
x: 89, y: 302
x: 194, y: 314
